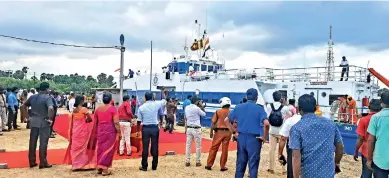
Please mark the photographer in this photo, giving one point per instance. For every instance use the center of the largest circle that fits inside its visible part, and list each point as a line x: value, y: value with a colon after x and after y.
x: 193, y: 114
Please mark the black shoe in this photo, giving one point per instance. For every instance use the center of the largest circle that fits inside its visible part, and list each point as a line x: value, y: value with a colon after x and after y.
x: 208, y: 167
x: 33, y: 165
x: 142, y: 169
x: 45, y: 166
x: 154, y: 168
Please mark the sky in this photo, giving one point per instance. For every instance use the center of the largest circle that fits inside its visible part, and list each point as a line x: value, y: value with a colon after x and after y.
x: 278, y: 34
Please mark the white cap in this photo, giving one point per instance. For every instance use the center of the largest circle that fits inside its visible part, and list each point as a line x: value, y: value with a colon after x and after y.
x: 224, y: 101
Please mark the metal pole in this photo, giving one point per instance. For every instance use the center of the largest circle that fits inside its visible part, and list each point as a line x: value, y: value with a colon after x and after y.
x: 121, y: 78
x: 151, y: 63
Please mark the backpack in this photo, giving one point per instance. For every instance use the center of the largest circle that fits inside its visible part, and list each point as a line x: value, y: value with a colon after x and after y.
x: 275, y: 118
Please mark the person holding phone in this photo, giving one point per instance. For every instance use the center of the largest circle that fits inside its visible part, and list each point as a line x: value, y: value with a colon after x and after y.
x: 193, y: 114
x: 284, y: 132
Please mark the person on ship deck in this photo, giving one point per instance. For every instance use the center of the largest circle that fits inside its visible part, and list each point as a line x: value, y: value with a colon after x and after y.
x: 351, y: 107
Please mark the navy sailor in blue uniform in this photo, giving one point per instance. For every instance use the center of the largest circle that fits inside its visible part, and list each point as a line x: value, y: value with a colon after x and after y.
x: 253, y: 129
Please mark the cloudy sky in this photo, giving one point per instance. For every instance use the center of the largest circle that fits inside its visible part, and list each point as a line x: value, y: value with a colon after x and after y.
x: 260, y: 34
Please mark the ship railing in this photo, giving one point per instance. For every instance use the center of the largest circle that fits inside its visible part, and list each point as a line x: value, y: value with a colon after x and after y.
x: 333, y: 112
x: 355, y: 73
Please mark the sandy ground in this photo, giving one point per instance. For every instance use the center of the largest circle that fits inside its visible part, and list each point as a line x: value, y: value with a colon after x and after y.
x: 169, y: 166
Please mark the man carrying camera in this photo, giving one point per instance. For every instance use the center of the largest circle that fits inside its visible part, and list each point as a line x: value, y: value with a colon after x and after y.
x: 193, y: 112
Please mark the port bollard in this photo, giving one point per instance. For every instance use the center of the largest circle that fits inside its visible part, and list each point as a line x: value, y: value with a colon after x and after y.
x: 170, y: 153
x: 3, y: 166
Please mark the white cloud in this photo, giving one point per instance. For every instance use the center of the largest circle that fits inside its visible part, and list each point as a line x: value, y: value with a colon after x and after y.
x: 167, y: 24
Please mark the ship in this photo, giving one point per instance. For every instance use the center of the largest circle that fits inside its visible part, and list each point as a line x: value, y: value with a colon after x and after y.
x: 211, y: 80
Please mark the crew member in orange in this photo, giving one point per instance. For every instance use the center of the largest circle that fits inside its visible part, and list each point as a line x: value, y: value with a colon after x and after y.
x: 352, y: 104
x: 318, y: 111
x: 222, y: 135
x: 342, y: 109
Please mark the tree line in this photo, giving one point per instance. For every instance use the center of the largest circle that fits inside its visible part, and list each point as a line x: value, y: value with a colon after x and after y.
x: 61, y: 83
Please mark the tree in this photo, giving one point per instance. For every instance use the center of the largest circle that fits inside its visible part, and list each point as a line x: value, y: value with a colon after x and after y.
x: 109, y: 80
x: 101, y: 78
x: 50, y: 77
x: 90, y: 79
x: 43, y: 77
x: 24, y: 70
x: 34, y: 78
x: 18, y: 75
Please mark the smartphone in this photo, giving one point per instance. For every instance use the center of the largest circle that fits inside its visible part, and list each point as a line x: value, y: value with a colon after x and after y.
x: 282, y: 158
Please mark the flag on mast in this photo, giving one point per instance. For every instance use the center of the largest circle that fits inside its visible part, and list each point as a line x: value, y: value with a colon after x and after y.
x: 207, y: 46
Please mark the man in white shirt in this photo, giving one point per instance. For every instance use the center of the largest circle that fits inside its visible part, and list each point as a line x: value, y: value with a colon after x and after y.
x: 193, y: 112
x: 277, y: 113
x: 3, y: 111
x: 284, y: 132
x: 71, y: 102
x: 345, y: 68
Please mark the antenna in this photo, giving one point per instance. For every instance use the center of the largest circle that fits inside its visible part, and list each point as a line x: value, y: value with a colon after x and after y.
x: 186, y: 47
x: 206, y: 19
x: 330, y: 66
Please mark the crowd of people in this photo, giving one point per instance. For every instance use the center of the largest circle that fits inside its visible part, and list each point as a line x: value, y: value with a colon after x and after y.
x: 314, y: 146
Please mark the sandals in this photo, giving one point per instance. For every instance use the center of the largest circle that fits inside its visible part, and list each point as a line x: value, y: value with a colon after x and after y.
x: 106, y: 174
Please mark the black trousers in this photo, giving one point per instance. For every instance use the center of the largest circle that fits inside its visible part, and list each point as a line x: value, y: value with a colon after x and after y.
x: 43, y: 134
x: 150, y: 133
x: 344, y: 71
x: 289, y: 166
x: 12, y: 118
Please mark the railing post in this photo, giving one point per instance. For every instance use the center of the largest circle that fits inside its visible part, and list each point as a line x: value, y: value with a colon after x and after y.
x: 317, y: 74
x: 282, y: 72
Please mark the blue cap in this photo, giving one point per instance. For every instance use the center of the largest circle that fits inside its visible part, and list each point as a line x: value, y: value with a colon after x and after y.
x: 252, y: 93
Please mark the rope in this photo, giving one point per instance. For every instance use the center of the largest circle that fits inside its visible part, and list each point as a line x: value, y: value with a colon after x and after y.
x: 59, y: 44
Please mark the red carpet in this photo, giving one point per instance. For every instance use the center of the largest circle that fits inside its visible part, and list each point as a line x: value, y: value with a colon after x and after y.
x: 167, y: 142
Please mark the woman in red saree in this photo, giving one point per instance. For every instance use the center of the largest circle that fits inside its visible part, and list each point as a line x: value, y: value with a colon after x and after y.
x: 81, y: 153
x: 108, y: 133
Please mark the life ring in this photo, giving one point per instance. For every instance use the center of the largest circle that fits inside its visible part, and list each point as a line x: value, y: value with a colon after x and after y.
x: 155, y: 81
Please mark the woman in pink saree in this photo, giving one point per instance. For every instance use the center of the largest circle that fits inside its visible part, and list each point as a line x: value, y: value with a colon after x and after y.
x: 108, y: 133
x: 81, y: 152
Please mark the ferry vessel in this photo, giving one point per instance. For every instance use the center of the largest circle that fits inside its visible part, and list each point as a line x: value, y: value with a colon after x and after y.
x: 213, y: 81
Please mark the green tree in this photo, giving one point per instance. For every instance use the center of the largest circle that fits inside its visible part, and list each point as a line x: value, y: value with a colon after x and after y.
x: 43, y: 77
x: 102, y: 78
x: 25, y: 70
x: 18, y: 75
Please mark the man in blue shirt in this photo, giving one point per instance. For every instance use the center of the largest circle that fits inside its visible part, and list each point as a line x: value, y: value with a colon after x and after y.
x: 187, y: 102
x: 253, y: 128
x: 13, y: 106
x: 313, y: 140
x: 148, y: 117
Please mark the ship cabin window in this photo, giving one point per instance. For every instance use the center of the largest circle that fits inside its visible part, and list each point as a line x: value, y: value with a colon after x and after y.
x: 333, y: 98
x: 196, y: 67
x: 210, y: 68
x: 203, y: 67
